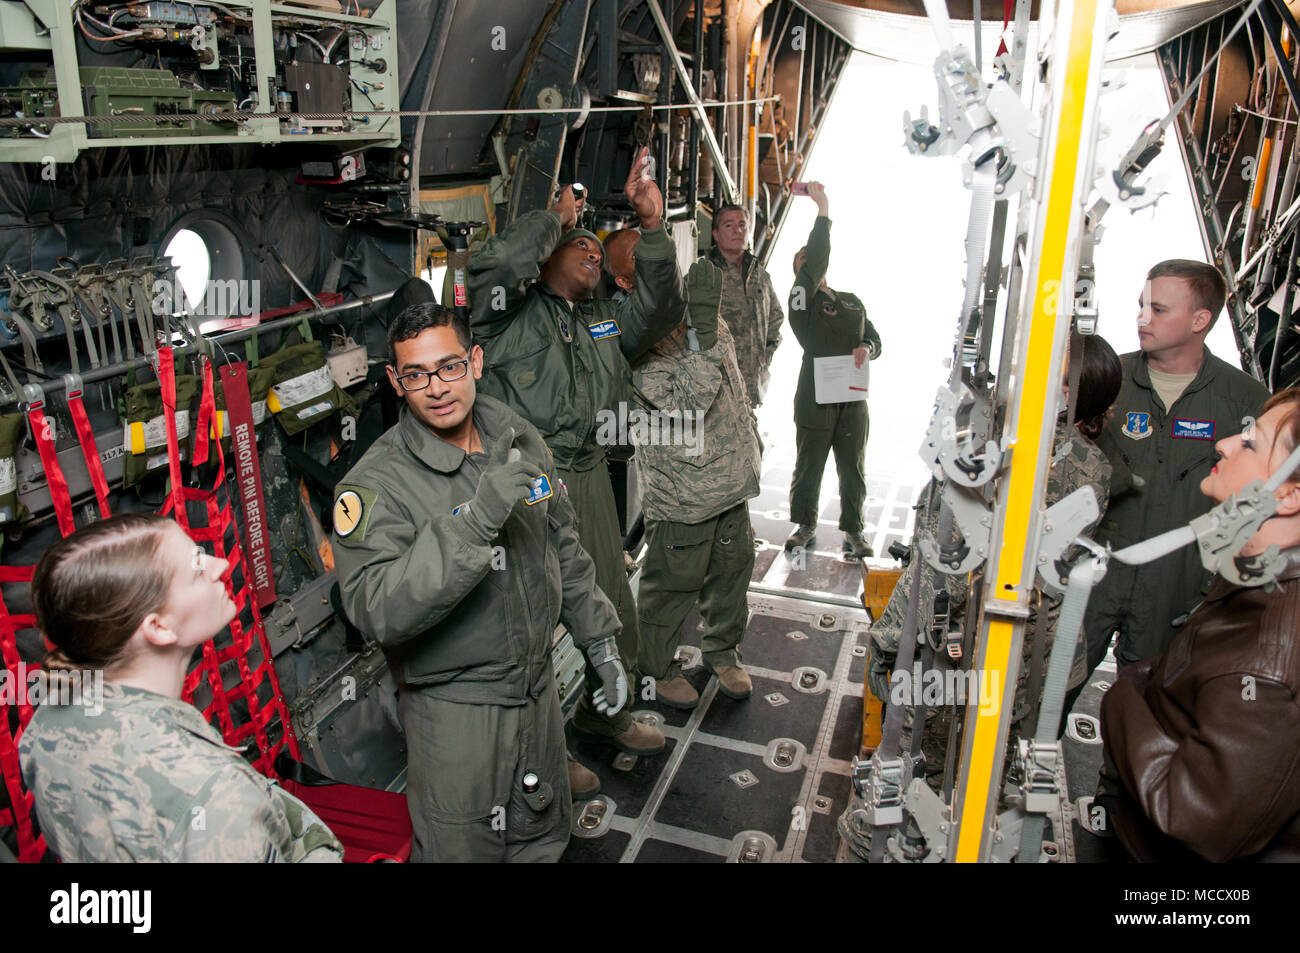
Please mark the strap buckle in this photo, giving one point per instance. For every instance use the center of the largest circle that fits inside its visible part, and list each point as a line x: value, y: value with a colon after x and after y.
x: 33, y: 398
x: 73, y: 386
x: 1038, y: 761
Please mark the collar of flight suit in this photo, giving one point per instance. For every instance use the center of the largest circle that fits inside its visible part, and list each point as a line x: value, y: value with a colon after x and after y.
x: 1142, y: 373
x: 436, y: 453
x: 747, y: 260
x: 571, y: 306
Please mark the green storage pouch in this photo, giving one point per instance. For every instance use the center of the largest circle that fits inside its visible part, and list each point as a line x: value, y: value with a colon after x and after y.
x: 304, y: 391
x: 11, y: 430
x: 144, y: 432
x: 259, y: 385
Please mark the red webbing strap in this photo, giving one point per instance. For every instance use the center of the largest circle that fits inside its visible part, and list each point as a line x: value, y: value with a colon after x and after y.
x: 1008, y: 11
x: 167, y: 382
x: 221, y: 533
x: 206, y: 410
x: 89, y: 451
x: 54, y: 478
x: 31, y: 846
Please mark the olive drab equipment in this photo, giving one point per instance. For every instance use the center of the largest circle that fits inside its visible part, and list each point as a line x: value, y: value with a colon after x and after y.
x: 144, y: 433
x: 304, y: 391
x: 11, y: 428
x: 259, y: 387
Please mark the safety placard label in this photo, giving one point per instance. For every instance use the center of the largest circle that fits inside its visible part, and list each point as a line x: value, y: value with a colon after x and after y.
x: 139, y: 436
x: 304, y: 387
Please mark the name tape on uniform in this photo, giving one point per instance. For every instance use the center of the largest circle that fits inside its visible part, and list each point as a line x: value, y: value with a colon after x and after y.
x: 1194, y: 429
x: 604, y: 329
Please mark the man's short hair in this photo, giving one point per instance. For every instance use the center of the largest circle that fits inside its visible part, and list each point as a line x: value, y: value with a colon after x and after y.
x: 1209, y: 290
x: 612, y: 241
x: 420, y: 317
x: 728, y: 208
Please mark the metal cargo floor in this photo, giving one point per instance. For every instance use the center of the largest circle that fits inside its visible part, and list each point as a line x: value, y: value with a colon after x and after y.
x: 725, y: 783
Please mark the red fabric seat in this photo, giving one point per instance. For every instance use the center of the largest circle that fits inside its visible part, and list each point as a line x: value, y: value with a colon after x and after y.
x: 371, y: 824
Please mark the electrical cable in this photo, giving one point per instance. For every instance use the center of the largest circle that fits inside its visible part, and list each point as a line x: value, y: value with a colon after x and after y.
x: 238, y: 116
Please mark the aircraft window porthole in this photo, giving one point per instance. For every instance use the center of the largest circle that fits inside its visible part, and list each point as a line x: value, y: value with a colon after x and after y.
x: 189, y: 253
x: 213, y: 276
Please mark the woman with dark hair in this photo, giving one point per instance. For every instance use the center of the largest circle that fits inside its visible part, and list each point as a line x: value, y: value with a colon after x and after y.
x: 1202, y: 742
x: 141, y: 776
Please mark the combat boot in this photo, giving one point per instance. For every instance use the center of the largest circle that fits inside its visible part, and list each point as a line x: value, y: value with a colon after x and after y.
x: 733, y: 681
x: 802, y: 536
x: 676, y: 692
x: 583, y: 783
x: 635, y: 739
x: 638, y: 739
x: 856, y: 544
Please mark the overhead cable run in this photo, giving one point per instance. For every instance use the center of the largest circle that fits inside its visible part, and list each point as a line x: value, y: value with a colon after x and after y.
x: 245, y: 116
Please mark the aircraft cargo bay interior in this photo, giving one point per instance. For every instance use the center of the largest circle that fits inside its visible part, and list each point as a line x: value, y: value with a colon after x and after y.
x: 649, y: 431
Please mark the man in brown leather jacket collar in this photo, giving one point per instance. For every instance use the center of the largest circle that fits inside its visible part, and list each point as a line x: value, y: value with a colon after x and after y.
x: 1203, y: 742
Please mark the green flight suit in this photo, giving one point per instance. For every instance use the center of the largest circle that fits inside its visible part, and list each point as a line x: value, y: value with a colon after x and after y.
x: 467, y: 628
x: 566, y: 369
x: 696, y: 480
x: 827, y: 324
x: 1169, y: 452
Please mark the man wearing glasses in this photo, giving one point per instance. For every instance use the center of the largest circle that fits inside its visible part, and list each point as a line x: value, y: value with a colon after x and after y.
x: 456, y: 550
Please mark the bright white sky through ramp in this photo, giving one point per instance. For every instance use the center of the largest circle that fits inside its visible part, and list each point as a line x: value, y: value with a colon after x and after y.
x: 897, y: 241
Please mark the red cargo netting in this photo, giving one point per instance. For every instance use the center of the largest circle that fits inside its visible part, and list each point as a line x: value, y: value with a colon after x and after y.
x: 244, y: 708
x: 31, y: 846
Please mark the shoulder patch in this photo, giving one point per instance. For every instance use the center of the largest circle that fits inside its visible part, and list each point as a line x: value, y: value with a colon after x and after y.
x: 352, y: 507
x: 1137, y: 425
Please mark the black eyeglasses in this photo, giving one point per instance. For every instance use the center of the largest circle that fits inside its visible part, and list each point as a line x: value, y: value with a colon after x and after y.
x: 419, y: 380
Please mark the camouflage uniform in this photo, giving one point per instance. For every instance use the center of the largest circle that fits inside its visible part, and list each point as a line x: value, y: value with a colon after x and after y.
x: 752, y: 310
x: 147, y: 779
x: 1076, y: 462
x: 700, y: 542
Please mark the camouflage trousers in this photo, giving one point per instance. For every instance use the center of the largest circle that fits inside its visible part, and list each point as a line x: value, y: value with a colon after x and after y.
x: 710, y: 562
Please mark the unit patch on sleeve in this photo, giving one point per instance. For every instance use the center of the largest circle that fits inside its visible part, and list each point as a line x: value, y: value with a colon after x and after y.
x: 538, y: 490
x: 604, y: 329
x: 1194, y: 429
x: 1137, y: 425
x: 352, y: 512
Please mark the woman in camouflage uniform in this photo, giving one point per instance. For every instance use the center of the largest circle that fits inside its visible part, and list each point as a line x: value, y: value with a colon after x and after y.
x: 138, y: 774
